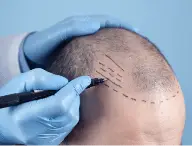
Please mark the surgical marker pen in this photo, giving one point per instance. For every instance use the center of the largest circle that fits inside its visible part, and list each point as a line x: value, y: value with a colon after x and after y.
x: 19, y: 98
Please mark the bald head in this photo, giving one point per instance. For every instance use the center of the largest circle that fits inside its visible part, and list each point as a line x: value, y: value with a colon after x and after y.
x: 126, y: 51
x: 140, y: 103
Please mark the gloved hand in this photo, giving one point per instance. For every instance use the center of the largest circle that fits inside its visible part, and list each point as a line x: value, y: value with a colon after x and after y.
x: 39, y: 45
x: 46, y: 121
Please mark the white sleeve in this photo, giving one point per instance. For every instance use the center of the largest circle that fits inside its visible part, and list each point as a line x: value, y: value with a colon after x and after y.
x: 9, y: 52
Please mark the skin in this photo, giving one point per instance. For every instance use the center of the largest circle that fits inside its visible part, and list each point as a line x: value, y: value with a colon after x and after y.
x: 145, y: 107
x: 108, y: 117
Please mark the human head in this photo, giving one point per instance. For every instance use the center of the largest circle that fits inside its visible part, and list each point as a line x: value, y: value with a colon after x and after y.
x: 140, y: 103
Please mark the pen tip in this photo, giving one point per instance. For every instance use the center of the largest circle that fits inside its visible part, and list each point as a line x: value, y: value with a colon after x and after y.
x: 102, y: 80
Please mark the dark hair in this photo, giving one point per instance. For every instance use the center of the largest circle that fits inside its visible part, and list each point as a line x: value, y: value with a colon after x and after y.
x: 149, y: 65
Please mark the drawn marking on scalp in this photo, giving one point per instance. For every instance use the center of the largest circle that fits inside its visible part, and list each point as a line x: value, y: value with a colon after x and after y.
x: 115, y: 90
x: 111, y: 69
x: 114, y: 62
x: 173, y: 95
x: 115, y: 83
x: 102, y: 75
x: 106, y: 85
x: 119, y: 75
x: 118, y: 79
x: 103, y: 69
x: 133, y: 99
x: 111, y: 74
x: 101, y: 64
x: 108, y: 79
x: 125, y: 95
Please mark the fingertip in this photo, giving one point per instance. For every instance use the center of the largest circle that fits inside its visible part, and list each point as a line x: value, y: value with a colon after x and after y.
x: 85, y: 81
x: 61, y: 81
x: 107, y: 21
x: 81, y: 83
x: 92, y: 27
x: 53, y: 82
x: 95, y: 26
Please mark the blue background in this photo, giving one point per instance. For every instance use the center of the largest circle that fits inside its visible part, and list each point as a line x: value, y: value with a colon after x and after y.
x: 166, y: 22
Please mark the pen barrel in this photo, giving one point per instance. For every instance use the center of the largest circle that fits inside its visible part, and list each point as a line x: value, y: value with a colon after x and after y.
x: 19, y: 98
x: 8, y: 100
x: 26, y: 97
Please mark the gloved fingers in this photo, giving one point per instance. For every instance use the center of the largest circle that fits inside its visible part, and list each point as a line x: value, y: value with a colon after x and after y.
x: 77, y: 26
x: 69, y: 95
x: 71, y: 27
x: 73, y: 89
x: 74, y: 110
x: 61, y: 103
x: 83, y: 25
x: 52, y: 138
x: 106, y: 21
x: 71, y: 117
x: 37, y: 79
x: 58, y: 140
x: 43, y: 43
x: 43, y: 80
x: 63, y: 124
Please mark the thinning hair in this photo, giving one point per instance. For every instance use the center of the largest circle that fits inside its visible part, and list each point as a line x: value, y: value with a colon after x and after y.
x: 149, y: 66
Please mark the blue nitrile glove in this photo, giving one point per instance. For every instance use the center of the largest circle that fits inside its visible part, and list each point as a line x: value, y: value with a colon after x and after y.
x: 39, y: 45
x: 45, y: 121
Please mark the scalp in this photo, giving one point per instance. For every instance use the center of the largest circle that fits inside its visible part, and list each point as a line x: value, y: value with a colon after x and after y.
x: 136, y: 72
x: 138, y: 60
